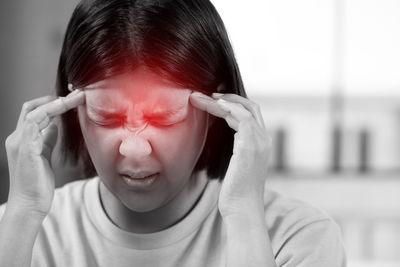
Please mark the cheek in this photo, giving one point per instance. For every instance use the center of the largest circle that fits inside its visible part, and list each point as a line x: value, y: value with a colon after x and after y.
x: 100, y: 143
x: 182, y: 144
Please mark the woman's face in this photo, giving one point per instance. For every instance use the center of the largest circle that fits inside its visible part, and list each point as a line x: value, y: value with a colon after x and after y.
x: 135, y: 126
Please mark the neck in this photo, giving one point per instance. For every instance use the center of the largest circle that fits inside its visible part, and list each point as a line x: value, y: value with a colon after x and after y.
x: 158, y: 219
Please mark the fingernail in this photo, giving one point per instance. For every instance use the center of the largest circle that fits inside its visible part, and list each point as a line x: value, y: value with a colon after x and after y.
x: 217, y: 95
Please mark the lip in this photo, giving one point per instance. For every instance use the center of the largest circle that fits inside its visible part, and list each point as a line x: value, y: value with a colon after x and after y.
x: 139, y: 181
x: 137, y: 175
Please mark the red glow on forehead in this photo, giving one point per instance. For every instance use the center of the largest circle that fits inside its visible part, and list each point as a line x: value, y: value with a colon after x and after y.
x: 137, y: 96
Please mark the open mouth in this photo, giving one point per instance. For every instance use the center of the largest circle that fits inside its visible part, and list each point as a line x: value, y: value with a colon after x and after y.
x: 139, y: 181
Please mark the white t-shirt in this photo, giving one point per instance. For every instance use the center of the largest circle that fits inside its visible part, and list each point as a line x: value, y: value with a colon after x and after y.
x: 77, y: 232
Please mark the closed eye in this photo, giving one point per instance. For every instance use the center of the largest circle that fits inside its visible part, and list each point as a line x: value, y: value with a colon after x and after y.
x: 106, y: 119
x: 158, y: 119
x: 167, y: 117
x: 163, y: 119
x: 108, y: 122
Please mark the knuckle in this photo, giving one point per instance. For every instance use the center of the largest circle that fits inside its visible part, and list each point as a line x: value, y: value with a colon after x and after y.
x: 29, y: 118
x: 9, y: 141
x: 29, y: 130
x: 26, y: 106
x: 62, y: 101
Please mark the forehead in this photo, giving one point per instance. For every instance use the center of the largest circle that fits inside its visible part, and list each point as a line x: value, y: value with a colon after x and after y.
x: 135, y: 88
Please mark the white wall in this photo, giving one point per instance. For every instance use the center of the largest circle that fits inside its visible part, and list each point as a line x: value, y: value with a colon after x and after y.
x: 288, y: 46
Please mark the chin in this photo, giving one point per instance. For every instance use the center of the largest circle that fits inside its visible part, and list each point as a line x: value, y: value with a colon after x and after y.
x: 141, y: 205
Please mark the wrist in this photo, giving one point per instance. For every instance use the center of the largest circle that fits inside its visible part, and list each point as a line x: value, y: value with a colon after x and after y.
x: 21, y: 213
x: 245, y: 209
x: 244, y: 223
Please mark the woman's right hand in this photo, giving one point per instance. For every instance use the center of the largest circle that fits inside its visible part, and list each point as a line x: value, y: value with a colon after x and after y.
x: 29, y: 150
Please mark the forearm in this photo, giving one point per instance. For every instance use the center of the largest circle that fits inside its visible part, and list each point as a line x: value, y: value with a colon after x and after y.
x: 248, y: 242
x: 18, y: 231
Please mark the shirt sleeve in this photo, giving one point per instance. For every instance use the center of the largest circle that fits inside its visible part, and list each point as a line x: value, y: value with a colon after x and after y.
x: 317, y: 244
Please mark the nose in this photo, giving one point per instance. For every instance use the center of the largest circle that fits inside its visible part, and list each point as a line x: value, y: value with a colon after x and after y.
x: 134, y: 146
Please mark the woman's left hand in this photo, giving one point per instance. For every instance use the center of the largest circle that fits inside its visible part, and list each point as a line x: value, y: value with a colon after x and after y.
x: 243, y: 185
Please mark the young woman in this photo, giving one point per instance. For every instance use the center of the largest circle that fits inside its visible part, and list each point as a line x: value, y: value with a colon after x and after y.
x: 152, y: 102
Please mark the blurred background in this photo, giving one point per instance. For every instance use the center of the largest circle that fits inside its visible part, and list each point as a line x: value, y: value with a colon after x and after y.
x: 326, y: 74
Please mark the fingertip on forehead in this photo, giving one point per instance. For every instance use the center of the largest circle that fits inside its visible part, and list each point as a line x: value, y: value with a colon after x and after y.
x: 82, y: 98
x: 196, y: 93
x: 74, y: 100
x: 199, y: 102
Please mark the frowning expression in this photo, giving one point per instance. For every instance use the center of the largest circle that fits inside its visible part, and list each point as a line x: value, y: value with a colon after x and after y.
x: 136, y: 125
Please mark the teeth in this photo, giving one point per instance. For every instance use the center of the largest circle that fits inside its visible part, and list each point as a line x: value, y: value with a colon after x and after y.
x: 139, y: 182
x: 138, y: 177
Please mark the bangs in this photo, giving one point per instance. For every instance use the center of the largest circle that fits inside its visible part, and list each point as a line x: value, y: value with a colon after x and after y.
x: 104, y: 45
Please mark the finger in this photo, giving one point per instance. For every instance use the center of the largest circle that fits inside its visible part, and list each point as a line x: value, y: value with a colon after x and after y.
x: 210, y: 105
x: 248, y: 104
x: 239, y: 114
x: 63, y: 104
x: 49, y: 139
x: 206, y: 103
x: 31, y: 105
x: 238, y: 111
x: 43, y: 114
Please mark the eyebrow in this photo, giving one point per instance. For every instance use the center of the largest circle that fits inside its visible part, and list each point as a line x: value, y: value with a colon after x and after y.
x: 106, y: 110
x: 168, y: 109
x: 162, y: 112
x: 103, y: 114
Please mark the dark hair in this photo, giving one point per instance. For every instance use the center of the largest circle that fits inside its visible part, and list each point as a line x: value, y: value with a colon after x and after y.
x: 183, y: 41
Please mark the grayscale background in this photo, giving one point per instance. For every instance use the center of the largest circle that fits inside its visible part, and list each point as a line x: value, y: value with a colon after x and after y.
x: 327, y: 76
